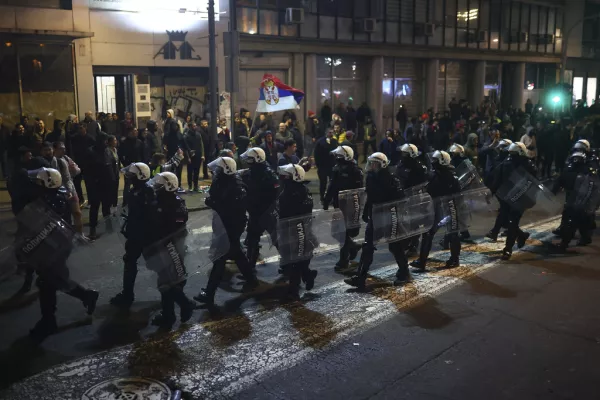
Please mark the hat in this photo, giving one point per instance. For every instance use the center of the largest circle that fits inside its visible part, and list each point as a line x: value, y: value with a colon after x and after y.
x: 424, y: 116
x: 460, y: 125
x: 349, y: 134
x: 311, y: 114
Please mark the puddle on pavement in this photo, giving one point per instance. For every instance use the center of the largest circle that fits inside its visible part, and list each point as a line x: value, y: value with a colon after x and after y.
x: 229, y: 330
x: 427, y: 314
x: 478, y: 284
x: 315, y: 329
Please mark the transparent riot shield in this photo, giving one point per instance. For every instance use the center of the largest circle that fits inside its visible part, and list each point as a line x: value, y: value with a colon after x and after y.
x: 43, y: 239
x: 417, y: 189
x: 351, y: 204
x: 455, y: 212
x: 188, y: 251
x: 522, y: 191
x: 468, y: 177
x: 8, y: 261
x: 300, y: 238
x: 402, y: 219
x: 586, y: 194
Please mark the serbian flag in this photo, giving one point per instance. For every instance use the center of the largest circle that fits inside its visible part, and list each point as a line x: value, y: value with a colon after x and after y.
x: 277, y: 96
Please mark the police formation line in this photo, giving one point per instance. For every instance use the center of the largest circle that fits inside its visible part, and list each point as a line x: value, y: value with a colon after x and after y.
x: 426, y: 193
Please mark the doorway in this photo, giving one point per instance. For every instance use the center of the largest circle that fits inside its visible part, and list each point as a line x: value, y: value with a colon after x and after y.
x: 114, y: 94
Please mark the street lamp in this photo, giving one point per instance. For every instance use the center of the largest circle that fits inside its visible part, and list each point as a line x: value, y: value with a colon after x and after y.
x: 556, y: 100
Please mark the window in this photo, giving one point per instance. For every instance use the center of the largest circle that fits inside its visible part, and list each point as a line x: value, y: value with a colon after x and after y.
x: 590, y: 94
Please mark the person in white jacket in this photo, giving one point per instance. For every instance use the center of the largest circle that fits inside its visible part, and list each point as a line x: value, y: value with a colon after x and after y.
x: 529, y: 141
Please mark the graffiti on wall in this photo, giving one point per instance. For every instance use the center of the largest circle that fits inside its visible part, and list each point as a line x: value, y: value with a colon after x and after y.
x: 183, y: 100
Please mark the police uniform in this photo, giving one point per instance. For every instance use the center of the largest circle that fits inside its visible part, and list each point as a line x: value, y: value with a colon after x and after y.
x: 227, y: 196
x: 295, y: 200
x: 346, y: 175
x: 262, y: 184
x: 381, y: 186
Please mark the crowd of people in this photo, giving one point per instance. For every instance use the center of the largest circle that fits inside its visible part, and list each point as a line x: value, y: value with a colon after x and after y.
x: 260, y: 177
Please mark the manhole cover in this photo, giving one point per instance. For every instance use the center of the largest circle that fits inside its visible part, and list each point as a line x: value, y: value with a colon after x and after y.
x: 128, y: 389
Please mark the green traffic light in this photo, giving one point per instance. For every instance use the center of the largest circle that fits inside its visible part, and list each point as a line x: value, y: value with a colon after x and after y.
x: 556, y: 99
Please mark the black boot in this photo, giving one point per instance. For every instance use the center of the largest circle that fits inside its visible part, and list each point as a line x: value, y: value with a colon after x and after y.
x: 89, y: 298
x: 310, y: 279
x: 506, y: 254
x: 402, y: 276
x: 522, y: 239
x: 28, y: 282
x: 163, y: 322
x: 43, y: 328
x: 354, y: 249
x: 122, y: 300
x: 493, y: 236
x: 418, y: 266
x: 452, y: 263
x: 356, y: 281
x: 126, y: 297
x: 205, y: 297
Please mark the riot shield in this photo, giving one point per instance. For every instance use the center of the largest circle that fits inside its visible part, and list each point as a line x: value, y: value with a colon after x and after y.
x: 8, y: 261
x: 468, y: 177
x: 302, y: 237
x: 522, y: 191
x: 417, y: 189
x: 188, y: 251
x: 43, y: 239
x: 456, y: 211
x: 351, y: 204
x: 402, y: 219
x: 586, y: 194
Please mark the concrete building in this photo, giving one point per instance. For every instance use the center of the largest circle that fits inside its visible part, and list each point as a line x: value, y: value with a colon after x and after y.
x: 59, y: 57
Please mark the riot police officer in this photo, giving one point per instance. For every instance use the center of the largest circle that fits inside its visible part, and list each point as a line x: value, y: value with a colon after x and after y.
x: 517, y: 159
x: 169, y: 215
x: 457, y: 157
x: 262, y: 184
x: 492, y: 163
x: 576, y: 213
x: 227, y: 197
x: 412, y: 173
x: 442, y: 183
x: 294, y: 200
x: 137, y: 225
x: 47, y: 251
x: 593, y: 163
x: 381, y: 186
x: 346, y: 175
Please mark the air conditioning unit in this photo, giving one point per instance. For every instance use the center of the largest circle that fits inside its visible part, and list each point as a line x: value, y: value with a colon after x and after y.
x: 424, y: 29
x: 518, y: 37
x: 294, y: 16
x: 478, y: 36
x: 546, y: 38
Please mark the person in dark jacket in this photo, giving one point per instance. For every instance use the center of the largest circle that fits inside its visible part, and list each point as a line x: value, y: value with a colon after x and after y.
x: 324, y: 161
x: 346, y: 175
x: 517, y: 159
x: 138, y: 224
x: 58, y: 133
x: 195, y: 141
x: 388, y: 145
x: 262, y: 184
x: 170, y: 215
x: 227, y: 197
x: 173, y: 141
x: 381, y: 187
x: 271, y: 149
x: 80, y: 144
x: 312, y: 133
x: 442, y: 183
x: 99, y: 181
x: 131, y: 151
x: 209, y: 147
x: 402, y: 117
x: 326, y: 114
x: 92, y: 126
x: 362, y: 114
x: 296, y: 200
x: 351, y: 122
x: 288, y: 156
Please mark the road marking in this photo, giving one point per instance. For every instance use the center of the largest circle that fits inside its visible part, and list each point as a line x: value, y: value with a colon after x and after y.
x: 217, y: 359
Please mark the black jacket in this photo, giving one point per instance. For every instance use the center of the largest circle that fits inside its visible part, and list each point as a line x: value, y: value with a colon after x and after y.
x: 139, y: 222
x: 346, y: 175
x: 93, y: 128
x: 411, y: 172
x: 169, y: 214
x: 323, y: 159
x: 503, y: 171
x: 131, y: 150
x: 80, y: 145
x: 294, y: 200
x: 173, y: 139
x: 195, y: 142
x: 442, y: 182
x: 271, y: 152
x: 227, y: 196
x: 263, y: 185
x: 381, y: 187
x: 100, y: 167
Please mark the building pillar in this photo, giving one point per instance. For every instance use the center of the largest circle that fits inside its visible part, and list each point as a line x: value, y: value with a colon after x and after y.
x: 297, y: 78
x: 375, y: 94
x: 311, y: 88
x: 431, y: 81
x: 477, y: 84
x: 85, y: 92
x: 517, y: 84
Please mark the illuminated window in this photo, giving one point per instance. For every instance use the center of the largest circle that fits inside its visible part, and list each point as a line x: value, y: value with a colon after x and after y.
x: 591, y: 91
x: 578, y: 88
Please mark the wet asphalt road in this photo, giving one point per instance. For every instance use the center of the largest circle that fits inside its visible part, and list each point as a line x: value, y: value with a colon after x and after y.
x: 525, y: 329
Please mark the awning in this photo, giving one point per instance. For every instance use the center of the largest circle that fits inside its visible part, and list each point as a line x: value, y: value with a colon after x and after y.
x: 27, y: 35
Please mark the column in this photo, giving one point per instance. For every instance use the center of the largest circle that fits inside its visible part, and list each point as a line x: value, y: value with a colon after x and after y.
x: 375, y: 94
x: 298, y: 81
x: 477, y: 84
x: 431, y: 81
x: 311, y: 89
x: 517, y: 83
x: 83, y: 57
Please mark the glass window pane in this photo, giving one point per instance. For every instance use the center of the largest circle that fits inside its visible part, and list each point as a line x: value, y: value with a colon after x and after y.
x: 324, y: 66
x: 577, y: 88
x: 47, y: 81
x: 246, y: 20
x: 388, y: 90
x: 392, y: 12
x: 9, y: 86
x: 268, y: 22
x: 591, y: 91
